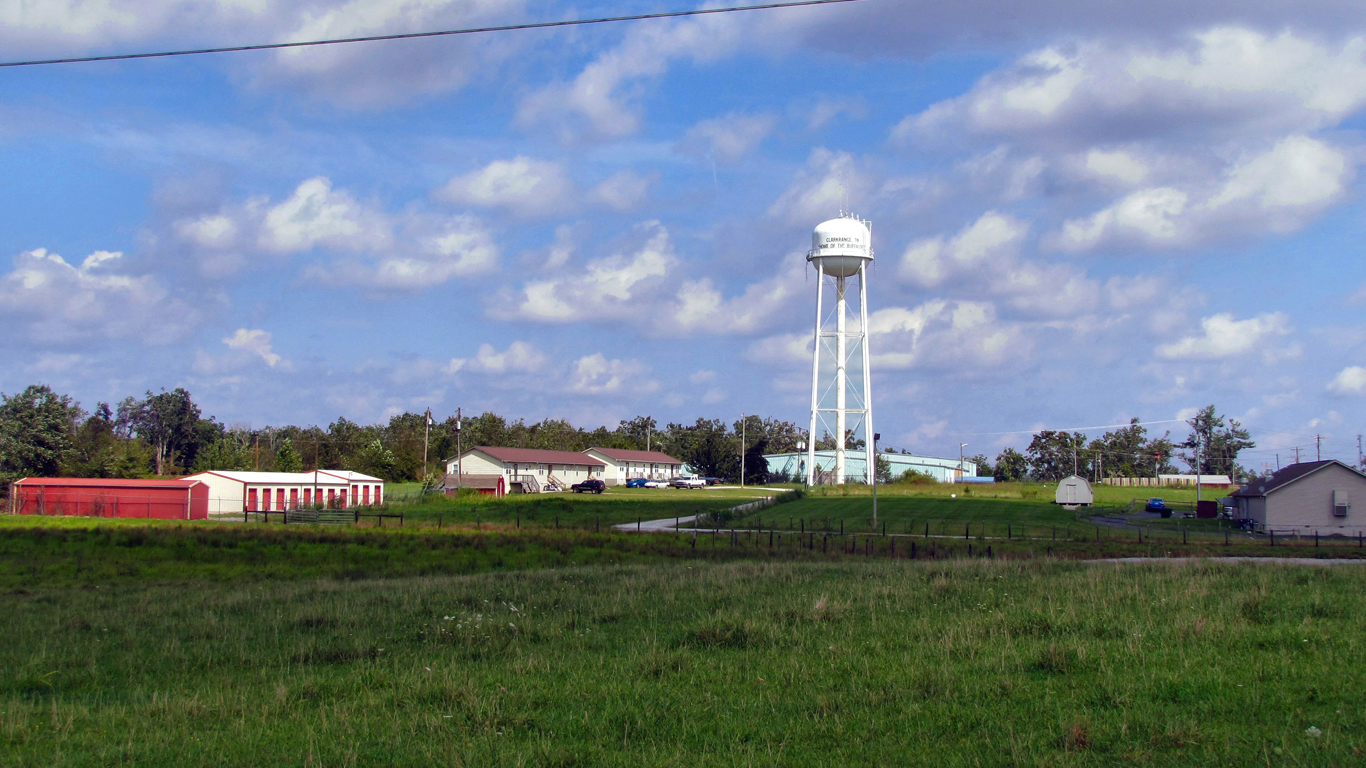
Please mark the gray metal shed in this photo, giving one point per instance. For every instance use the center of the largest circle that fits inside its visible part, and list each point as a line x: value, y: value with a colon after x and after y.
x: 1307, y: 498
x: 1074, y: 492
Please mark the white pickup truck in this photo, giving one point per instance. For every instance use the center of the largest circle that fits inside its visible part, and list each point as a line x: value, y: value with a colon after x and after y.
x: 688, y: 481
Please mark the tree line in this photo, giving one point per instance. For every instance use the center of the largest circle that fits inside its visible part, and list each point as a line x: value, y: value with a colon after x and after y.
x: 47, y: 434
x: 1213, y: 444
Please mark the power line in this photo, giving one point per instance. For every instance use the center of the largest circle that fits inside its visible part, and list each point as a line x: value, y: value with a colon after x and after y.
x: 415, y: 35
x: 1072, y: 429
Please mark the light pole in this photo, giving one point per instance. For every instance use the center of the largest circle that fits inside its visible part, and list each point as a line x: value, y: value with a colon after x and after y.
x: 961, y: 446
x: 742, y: 450
x: 876, y: 436
x: 457, y: 449
x: 801, y: 463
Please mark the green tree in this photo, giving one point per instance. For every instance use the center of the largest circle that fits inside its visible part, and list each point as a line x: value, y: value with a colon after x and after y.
x: 226, y: 453
x: 287, y: 459
x: 1219, y: 443
x: 983, y: 464
x: 1054, y: 455
x: 36, y: 429
x: 1011, y: 466
x: 170, y: 423
x: 706, y: 446
x: 374, y: 459
x: 884, y: 469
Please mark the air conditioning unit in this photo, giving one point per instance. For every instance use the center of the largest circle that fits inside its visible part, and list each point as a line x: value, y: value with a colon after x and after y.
x: 1340, y: 504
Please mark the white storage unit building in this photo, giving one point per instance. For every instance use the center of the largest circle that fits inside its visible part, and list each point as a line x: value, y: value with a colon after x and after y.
x: 232, y: 493
x: 623, y: 465
x: 528, y: 469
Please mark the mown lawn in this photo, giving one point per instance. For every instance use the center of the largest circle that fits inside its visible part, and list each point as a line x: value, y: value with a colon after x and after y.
x: 855, y: 662
x: 910, y: 514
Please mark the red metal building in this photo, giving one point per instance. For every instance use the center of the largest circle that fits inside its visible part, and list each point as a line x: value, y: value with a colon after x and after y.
x: 89, y: 497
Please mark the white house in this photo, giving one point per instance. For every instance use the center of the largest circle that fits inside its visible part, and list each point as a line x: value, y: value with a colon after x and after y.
x: 622, y: 465
x: 232, y: 493
x: 528, y: 470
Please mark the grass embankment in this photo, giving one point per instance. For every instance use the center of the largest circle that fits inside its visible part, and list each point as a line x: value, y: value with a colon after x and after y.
x: 884, y: 663
x: 585, y: 511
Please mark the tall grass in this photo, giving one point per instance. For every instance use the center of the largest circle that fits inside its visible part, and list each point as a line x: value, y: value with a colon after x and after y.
x: 748, y: 663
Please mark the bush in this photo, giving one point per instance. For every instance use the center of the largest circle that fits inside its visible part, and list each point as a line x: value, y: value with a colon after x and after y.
x: 916, y: 477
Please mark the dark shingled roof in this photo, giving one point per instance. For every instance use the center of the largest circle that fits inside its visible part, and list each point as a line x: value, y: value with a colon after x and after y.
x: 1285, y: 477
x: 539, y: 456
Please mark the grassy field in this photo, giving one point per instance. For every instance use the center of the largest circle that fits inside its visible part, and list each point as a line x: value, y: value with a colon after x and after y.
x: 690, y: 663
x: 575, y: 510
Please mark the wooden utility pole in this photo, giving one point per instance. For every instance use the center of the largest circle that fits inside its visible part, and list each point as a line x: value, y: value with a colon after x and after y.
x: 742, y: 450
x: 426, y: 438
x: 458, y: 450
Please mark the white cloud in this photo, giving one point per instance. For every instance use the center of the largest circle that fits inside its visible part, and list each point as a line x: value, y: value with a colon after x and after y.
x: 606, y: 289
x: 433, y: 250
x: 939, y: 333
x: 702, y: 377
x: 256, y: 342
x: 700, y: 307
x: 1349, y: 381
x: 55, y: 302
x: 523, y: 185
x: 1117, y: 165
x: 519, y: 357
x: 1149, y: 215
x: 992, y: 238
x: 1224, y: 337
x: 623, y: 191
x: 316, y: 215
x: 595, y: 374
x: 727, y: 138
x: 830, y: 182
x: 1224, y: 78
x: 1298, y: 172
x: 599, y: 101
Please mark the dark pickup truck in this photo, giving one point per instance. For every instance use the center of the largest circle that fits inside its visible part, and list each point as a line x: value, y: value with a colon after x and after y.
x: 588, y: 486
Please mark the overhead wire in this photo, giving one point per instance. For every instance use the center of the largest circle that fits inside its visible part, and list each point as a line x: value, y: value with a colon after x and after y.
x: 417, y: 35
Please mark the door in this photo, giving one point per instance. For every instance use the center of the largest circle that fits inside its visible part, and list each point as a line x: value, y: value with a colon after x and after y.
x: 331, y: 498
x: 293, y: 498
x: 365, y: 495
x: 251, y: 499
x: 280, y: 498
x: 265, y: 499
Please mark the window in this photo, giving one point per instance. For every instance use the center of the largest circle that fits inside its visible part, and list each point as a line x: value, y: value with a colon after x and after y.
x: 1340, y: 504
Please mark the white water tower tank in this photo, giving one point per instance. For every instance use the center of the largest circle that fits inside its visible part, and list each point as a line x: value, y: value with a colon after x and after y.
x: 841, y: 246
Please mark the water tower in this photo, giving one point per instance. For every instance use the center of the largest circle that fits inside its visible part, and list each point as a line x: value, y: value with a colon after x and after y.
x: 841, y: 248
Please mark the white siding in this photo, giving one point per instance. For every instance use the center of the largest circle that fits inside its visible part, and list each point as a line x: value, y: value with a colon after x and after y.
x: 476, y: 464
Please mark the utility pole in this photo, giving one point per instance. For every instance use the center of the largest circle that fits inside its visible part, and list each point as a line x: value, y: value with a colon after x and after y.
x: 876, y: 437
x: 1318, y: 447
x: 458, y: 451
x: 742, y: 450
x: 1359, y: 461
x: 426, y: 438
x: 648, y: 431
x: 1198, y: 461
x: 256, y: 454
x: 1297, y: 454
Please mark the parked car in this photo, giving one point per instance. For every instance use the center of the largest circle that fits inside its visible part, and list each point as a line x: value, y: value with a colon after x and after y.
x: 688, y: 481
x: 713, y: 480
x: 588, y: 486
x: 656, y: 484
x: 1156, y: 505
x: 636, y: 482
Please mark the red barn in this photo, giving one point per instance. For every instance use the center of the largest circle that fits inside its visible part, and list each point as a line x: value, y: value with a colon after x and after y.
x: 90, y: 497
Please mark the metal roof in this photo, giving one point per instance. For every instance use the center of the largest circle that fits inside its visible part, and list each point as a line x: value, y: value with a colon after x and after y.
x: 324, y: 476
x: 538, y: 456
x: 622, y: 454
x: 105, y: 482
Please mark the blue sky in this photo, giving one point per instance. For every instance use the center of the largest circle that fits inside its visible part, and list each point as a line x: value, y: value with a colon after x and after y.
x: 1082, y: 214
